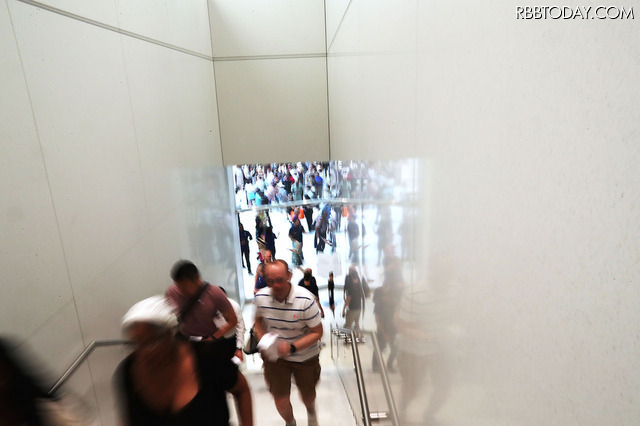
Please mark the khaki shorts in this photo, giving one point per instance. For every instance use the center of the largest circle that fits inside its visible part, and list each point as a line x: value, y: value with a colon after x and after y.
x: 306, y: 373
x: 353, y: 316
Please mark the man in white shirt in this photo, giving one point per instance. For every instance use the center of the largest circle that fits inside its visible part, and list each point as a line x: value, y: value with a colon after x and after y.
x: 292, y: 314
x: 234, y: 338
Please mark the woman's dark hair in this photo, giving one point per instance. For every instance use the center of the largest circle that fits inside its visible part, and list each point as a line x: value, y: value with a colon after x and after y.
x: 18, y: 387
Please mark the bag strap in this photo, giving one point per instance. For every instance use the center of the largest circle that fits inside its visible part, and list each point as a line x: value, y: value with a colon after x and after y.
x: 191, y: 303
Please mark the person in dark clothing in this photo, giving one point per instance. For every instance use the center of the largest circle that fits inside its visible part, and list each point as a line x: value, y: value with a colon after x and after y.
x: 296, y: 230
x: 165, y: 381
x: 259, y: 227
x: 354, y: 296
x: 245, y: 236
x: 270, y: 240
x: 353, y: 230
x: 331, y: 287
x: 21, y: 393
x: 308, y: 214
x: 320, y: 237
x: 308, y: 281
x: 385, y: 300
x: 295, y: 233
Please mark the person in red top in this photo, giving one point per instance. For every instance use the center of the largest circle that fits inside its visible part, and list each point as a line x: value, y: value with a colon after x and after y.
x: 196, y: 304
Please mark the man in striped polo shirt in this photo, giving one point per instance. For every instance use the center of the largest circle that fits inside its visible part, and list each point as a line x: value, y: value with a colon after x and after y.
x: 290, y: 312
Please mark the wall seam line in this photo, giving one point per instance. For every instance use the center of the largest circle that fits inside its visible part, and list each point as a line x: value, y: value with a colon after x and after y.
x: 215, y: 89
x: 114, y: 29
x: 46, y: 173
x: 326, y: 64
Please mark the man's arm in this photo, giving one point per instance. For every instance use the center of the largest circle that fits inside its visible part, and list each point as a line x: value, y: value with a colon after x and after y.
x: 258, y: 327
x: 239, y: 333
x: 242, y: 395
x: 231, y: 318
x: 306, y: 341
x: 346, y: 304
x: 314, y: 336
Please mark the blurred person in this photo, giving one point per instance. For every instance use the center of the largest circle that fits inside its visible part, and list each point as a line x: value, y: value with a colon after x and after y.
x: 308, y: 214
x: 168, y: 381
x: 297, y: 189
x: 345, y: 188
x: 260, y: 282
x: 353, y: 231
x: 425, y: 342
x: 24, y: 399
x: 385, y: 233
x: 270, y: 240
x: 321, y: 228
x: 385, y: 299
x: 298, y: 229
x: 259, y: 199
x: 354, y: 298
x: 296, y: 251
x: 298, y: 340
x: 196, y: 303
x: 287, y: 181
x: 238, y: 175
x: 251, y: 193
x: 271, y: 192
x: 245, y: 236
x: 20, y: 391
x: 309, y: 282
x: 319, y: 180
x: 331, y: 288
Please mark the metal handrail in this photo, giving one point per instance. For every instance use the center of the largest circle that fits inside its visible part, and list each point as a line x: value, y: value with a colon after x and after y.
x: 81, y: 358
x: 364, y: 403
x: 358, y: 367
x: 385, y: 381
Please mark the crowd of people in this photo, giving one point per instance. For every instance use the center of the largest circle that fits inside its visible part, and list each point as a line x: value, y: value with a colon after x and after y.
x: 260, y: 184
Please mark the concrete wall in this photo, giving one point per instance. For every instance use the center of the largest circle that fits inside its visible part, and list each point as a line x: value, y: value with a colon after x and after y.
x: 111, y: 171
x: 525, y: 135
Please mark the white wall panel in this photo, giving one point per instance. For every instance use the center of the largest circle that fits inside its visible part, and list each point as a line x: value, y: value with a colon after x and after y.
x: 128, y: 280
x: 255, y: 27
x: 198, y: 113
x: 183, y: 24
x: 83, y: 113
x: 273, y: 110
x: 58, y: 342
x: 527, y: 227
x: 372, y: 89
x: 372, y: 102
x: 153, y: 73
x: 34, y: 273
x: 118, y: 124
x: 345, y: 107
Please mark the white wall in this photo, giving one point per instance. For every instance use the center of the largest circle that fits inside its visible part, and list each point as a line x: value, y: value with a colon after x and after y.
x: 271, y: 76
x: 526, y: 132
x: 111, y: 171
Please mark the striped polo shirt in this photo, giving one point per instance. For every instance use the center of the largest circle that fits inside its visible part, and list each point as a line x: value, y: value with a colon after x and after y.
x: 290, y: 319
